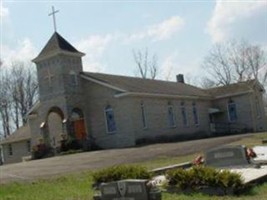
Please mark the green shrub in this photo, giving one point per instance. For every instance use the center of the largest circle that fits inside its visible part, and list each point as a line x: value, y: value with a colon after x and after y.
x: 116, y: 173
x: 196, y: 177
x: 227, y: 179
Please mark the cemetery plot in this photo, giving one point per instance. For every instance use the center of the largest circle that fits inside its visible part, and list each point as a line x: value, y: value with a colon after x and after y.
x: 228, y: 157
x: 237, y: 160
x: 131, y: 189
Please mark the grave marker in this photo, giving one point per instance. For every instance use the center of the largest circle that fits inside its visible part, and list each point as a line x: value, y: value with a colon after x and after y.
x: 130, y: 189
x: 229, y: 156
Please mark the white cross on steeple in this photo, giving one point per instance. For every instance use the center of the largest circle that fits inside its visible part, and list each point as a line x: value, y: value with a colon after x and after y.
x: 54, y: 17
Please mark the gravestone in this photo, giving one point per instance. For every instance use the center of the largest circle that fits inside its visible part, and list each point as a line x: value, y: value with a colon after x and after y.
x: 130, y: 189
x: 229, y: 156
x: 261, y: 154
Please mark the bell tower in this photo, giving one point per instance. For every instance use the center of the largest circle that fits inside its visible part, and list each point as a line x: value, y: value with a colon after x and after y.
x: 60, y: 92
x: 58, y: 66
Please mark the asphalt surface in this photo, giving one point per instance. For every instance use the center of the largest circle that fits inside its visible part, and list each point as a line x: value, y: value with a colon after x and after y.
x: 60, y: 165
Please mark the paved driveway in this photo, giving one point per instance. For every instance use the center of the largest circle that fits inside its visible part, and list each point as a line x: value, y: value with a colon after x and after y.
x: 99, y: 159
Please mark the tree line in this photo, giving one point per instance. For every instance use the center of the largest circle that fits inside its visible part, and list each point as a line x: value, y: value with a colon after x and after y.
x: 19, y: 91
x: 225, y: 63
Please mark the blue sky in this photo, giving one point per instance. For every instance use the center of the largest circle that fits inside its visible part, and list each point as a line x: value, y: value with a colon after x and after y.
x: 180, y: 33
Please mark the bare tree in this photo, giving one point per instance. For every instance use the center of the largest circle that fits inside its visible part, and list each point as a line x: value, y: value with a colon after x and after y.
x: 234, y: 62
x: 217, y: 65
x: 18, y: 92
x: 23, y: 89
x: 206, y: 83
x: 4, y: 104
x: 147, y: 66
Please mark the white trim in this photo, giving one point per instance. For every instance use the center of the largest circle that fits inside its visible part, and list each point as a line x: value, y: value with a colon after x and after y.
x: 102, y: 83
x: 159, y: 95
x: 57, y: 52
x: 234, y: 94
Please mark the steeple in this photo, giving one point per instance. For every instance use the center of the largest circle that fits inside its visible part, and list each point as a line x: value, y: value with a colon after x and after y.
x: 57, y: 45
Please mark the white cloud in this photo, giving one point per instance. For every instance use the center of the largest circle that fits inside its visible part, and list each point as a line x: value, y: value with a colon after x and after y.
x: 23, y: 53
x: 230, y: 18
x: 4, y: 12
x: 162, y: 31
x: 94, y: 46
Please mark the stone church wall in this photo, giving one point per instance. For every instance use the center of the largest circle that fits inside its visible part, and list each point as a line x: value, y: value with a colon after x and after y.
x: 243, y: 111
x: 250, y: 112
x: 156, y: 115
x: 96, y: 99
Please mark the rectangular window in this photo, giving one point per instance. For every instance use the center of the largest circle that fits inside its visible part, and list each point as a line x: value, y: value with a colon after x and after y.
x: 10, y: 150
x: 28, y: 145
x: 258, y: 111
x: 184, y: 115
x: 143, y: 116
x: 232, y: 112
x: 195, y: 114
x: 171, y: 117
x: 74, y: 79
x: 110, y: 120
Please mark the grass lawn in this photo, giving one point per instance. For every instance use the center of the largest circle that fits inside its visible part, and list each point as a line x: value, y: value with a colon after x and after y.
x: 78, y: 186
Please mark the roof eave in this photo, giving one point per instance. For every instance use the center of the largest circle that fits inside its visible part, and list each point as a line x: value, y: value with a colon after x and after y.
x: 55, y: 53
x: 14, y: 141
x: 173, y: 96
x: 232, y: 94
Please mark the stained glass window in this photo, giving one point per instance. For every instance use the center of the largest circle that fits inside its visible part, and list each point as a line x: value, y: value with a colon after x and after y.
x: 110, y: 120
x: 232, y: 111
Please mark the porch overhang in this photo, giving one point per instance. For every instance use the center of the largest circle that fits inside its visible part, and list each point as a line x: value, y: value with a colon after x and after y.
x: 214, y: 110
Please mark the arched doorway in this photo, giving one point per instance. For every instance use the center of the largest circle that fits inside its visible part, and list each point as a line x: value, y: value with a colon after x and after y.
x: 54, y: 126
x: 78, y: 124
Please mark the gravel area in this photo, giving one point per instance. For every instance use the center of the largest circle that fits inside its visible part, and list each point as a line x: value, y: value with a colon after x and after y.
x: 59, y: 165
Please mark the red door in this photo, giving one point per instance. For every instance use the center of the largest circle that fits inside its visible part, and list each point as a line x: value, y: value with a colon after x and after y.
x: 79, y: 129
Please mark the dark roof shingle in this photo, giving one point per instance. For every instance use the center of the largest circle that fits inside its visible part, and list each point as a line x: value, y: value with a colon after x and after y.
x: 57, y: 42
x: 231, y: 89
x: 140, y: 85
x: 23, y: 133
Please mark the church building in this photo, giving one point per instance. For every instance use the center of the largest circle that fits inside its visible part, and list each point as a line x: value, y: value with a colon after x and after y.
x: 113, y: 111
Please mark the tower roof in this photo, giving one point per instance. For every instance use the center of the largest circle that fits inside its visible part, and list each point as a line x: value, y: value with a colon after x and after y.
x: 55, y: 45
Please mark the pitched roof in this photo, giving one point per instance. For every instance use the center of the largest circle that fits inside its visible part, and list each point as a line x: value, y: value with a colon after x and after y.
x: 235, y: 88
x: 23, y: 133
x: 57, y: 43
x: 148, y: 86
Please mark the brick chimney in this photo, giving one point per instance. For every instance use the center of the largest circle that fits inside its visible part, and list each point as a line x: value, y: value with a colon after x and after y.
x: 180, y: 78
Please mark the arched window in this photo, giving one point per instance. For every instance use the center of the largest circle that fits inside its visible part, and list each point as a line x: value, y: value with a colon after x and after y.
x: 184, y: 115
x: 171, y: 117
x: 110, y: 120
x: 232, y: 115
x: 195, y: 113
x: 77, y: 127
